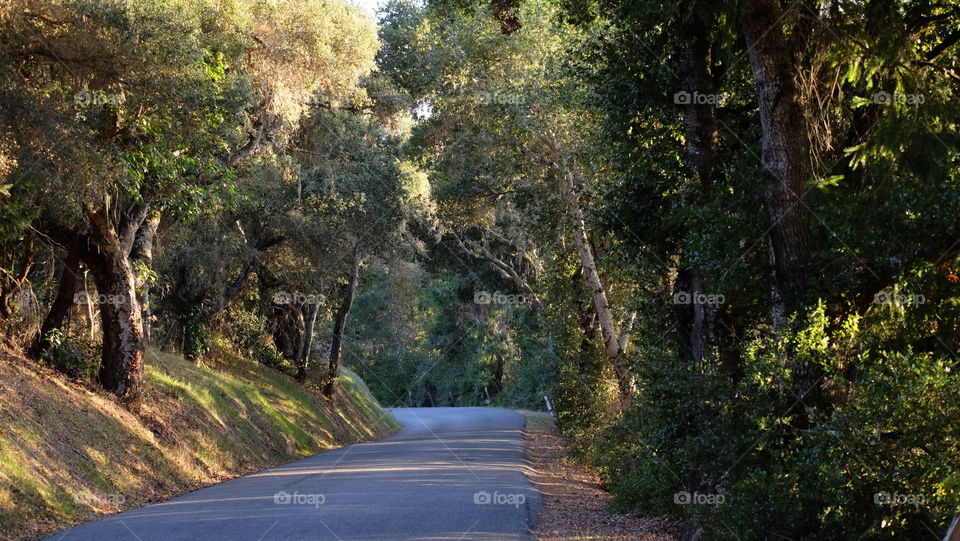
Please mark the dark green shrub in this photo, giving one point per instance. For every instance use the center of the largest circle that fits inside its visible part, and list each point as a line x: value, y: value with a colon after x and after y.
x: 880, y: 463
x: 74, y: 357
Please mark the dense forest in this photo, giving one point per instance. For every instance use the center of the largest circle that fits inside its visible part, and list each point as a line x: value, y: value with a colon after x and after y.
x: 720, y: 237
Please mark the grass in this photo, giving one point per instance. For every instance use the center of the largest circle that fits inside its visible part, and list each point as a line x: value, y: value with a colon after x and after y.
x: 69, y: 453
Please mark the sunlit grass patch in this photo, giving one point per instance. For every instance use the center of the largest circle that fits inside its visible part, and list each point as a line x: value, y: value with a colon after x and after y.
x: 73, y: 454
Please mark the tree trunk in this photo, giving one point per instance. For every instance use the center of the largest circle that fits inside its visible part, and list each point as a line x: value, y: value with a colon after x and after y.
x: 235, y: 287
x: 611, y: 340
x: 498, y: 374
x: 284, y: 333
x: 299, y: 327
x: 296, y: 327
x: 699, y: 117
x: 692, y: 314
x: 86, y: 295
x: 700, y: 134
x: 785, y: 144
x: 131, y: 219
x: 307, y: 341
x: 142, y: 251
x: 232, y: 290
x: 588, y: 316
x: 64, y: 300
x: 726, y: 338
x: 786, y: 158
x: 339, y: 324
x: 121, y: 368
x: 702, y: 325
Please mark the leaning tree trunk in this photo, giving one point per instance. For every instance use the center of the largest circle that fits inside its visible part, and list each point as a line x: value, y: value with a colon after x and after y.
x: 336, y: 345
x: 236, y: 285
x: 121, y: 368
x: 613, y: 346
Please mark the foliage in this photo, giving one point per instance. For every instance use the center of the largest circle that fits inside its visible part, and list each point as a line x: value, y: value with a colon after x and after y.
x: 488, y: 164
x: 876, y: 319
x: 75, y: 357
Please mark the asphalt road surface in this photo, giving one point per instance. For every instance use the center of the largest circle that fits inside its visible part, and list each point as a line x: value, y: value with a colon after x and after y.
x: 450, y: 473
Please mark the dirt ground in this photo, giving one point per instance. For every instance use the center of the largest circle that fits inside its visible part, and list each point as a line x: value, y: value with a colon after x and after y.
x: 574, y: 504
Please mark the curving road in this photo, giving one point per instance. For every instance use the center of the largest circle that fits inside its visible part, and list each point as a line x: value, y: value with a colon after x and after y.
x: 450, y: 473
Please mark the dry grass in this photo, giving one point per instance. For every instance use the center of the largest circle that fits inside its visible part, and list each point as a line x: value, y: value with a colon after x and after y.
x: 69, y: 453
x: 574, y: 503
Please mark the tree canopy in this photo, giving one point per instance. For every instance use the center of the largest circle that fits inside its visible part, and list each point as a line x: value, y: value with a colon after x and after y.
x: 720, y: 237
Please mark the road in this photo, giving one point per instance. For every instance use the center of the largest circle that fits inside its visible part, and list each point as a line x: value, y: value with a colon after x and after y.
x: 449, y: 473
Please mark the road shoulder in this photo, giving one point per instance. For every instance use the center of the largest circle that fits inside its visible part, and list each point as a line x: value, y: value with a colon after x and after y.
x: 574, y: 504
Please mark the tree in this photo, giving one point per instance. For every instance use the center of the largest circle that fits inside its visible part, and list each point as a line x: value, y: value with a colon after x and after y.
x: 499, y: 128
x: 353, y: 202
x: 786, y: 156
x: 256, y: 65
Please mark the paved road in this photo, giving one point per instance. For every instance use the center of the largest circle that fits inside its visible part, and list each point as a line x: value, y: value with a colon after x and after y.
x: 450, y: 473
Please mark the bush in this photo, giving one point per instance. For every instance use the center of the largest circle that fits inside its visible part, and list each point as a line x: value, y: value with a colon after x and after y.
x: 246, y: 330
x: 74, y: 357
x: 880, y: 463
x: 680, y: 436
x: 266, y: 353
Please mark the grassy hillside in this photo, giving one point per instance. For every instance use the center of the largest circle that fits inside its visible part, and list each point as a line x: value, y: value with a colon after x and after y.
x: 69, y: 453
